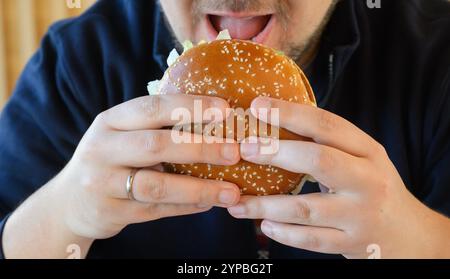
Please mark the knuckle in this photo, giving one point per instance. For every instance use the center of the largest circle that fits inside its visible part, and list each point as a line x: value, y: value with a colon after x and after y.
x: 327, y: 121
x: 92, y: 145
x: 310, y: 241
x: 378, y: 149
x: 157, y: 190
x: 153, y: 143
x: 322, y: 160
x: 152, y: 107
x: 100, y: 119
x: 302, y: 211
x: 154, y: 190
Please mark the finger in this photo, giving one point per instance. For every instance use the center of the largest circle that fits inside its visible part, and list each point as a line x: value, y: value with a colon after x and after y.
x: 153, y: 112
x: 151, y: 186
x: 321, y: 240
x: 320, y: 210
x: 159, y: 211
x: 132, y: 212
x: 338, y: 170
x: 320, y: 125
x: 147, y: 148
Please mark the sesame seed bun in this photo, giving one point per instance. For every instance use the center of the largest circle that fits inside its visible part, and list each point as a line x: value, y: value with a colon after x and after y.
x: 239, y: 71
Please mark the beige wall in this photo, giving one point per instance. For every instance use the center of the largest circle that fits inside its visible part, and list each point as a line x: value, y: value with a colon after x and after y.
x: 22, y: 25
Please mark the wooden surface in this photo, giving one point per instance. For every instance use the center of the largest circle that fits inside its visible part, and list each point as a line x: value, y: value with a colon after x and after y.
x: 22, y: 25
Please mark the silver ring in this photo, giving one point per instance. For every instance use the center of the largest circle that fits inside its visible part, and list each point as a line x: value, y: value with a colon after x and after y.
x: 130, y: 181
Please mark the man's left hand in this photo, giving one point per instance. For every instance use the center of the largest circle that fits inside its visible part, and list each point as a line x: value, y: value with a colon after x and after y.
x: 366, y: 204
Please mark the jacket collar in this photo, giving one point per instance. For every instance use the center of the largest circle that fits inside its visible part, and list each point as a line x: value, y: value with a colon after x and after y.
x: 339, y: 42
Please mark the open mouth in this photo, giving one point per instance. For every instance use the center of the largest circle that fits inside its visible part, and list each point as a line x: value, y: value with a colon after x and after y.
x: 254, y: 28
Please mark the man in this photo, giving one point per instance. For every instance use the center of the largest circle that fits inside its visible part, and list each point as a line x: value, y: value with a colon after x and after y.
x: 79, y: 124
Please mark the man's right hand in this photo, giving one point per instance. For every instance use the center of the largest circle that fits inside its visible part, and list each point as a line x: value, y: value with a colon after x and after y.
x: 89, y: 198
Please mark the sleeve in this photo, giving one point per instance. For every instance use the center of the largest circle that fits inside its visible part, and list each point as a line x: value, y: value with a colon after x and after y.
x: 437, y: 152
x: 40, y: 126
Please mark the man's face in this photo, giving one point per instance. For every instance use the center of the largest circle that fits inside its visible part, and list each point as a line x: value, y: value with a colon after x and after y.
x: 293, y: 26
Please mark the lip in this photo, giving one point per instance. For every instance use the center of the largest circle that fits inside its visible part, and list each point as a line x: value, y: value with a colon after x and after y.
x: 260, y: 38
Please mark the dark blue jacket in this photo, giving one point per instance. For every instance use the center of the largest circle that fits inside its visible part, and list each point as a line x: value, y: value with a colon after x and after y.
x: 386, y: 70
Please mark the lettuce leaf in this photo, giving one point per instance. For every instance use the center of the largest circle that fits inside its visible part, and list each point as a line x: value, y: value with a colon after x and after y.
x: 224, y: 35
x: 153, y: 87
x: 173, y: 56
x: 187, y: 45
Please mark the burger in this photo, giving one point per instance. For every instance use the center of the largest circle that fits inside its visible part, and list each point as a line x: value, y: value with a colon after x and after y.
x: 239, y: 71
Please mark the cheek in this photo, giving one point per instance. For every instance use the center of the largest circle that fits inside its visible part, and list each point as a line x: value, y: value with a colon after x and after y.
x: 306, y: 17
x: 200, y: 31
x: 178, y: 13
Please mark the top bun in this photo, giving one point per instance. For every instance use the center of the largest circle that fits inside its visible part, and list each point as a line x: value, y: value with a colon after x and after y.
x: 239, y: 71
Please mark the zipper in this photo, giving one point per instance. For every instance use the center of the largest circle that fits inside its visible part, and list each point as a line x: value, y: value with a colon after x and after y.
x: 331, y: 77
x: 330, y: 71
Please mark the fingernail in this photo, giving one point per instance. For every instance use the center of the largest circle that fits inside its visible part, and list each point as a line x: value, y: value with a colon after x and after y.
x: 229, y: 152
x: 218, y: 108
x: 262, y: 102
x: 219, y: 103
x: 249, y: 149
x: 260, y: 108
x: 238, y: 210
x: 227, y: 197
x: 267, y: 228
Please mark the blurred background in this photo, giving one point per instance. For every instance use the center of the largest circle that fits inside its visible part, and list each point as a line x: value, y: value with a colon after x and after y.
x: 22, y: 25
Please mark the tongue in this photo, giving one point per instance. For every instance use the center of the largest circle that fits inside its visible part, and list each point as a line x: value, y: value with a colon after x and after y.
x: 240, y: 28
